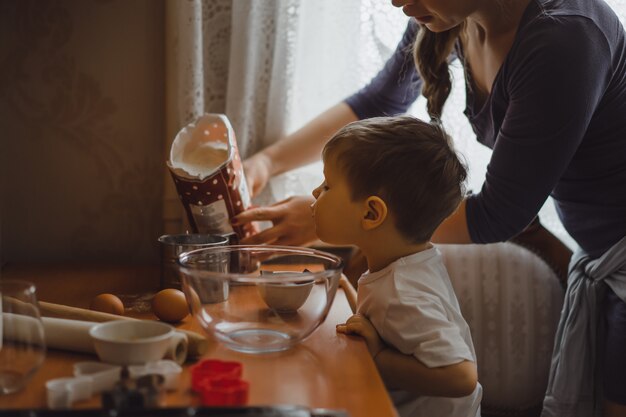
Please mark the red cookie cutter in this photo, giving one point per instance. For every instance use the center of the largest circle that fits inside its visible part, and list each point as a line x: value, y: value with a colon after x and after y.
x: 225, y: 391
x: 214, y: 369
x: 219, y: 382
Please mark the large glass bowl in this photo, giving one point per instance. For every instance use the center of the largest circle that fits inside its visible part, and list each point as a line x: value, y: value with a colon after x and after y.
x: 259, y: 298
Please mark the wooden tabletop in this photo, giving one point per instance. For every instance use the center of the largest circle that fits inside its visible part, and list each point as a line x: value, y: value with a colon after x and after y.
x: 327, y: 370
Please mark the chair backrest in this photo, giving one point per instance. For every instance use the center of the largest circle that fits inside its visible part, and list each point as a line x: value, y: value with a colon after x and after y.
x: 511, y: 300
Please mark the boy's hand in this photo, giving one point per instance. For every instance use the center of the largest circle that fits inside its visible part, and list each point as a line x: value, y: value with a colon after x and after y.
x: 359, y: 325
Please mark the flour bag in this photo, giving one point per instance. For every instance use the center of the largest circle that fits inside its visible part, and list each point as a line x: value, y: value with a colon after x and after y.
x: 208, y: 174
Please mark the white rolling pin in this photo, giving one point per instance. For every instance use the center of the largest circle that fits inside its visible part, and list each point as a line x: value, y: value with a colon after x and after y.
x: 73, y: 335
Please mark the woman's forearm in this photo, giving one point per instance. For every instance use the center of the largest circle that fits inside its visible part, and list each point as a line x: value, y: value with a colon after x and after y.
x: 400, y: 371
x: 305, y: 145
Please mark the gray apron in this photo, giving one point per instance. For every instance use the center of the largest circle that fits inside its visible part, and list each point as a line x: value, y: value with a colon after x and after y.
x: 573, y: 385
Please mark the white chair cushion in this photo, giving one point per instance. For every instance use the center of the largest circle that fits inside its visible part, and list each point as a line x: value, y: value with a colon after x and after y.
x: 511, y: 300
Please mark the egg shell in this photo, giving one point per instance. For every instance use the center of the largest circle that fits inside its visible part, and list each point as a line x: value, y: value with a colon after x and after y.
x: 107, y: 303
x: 170, y: 305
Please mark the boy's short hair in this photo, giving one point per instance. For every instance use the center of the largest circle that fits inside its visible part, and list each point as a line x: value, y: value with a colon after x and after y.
x: 409, y: 163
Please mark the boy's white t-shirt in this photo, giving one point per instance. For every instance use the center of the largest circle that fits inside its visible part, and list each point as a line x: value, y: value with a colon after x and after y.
x: 412, y: 305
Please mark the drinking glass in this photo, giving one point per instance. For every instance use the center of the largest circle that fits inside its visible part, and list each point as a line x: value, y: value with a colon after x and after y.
x: 174, y: 245
x: 22, y: 342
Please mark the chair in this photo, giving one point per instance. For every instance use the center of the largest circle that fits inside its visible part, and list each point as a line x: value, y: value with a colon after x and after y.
x: 511, y: 300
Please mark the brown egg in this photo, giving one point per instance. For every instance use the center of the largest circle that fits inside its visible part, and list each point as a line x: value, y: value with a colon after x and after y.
x: 107, y: 303
x: 170, y: 305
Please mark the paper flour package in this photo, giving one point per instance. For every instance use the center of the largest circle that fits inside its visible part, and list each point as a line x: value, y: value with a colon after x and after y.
x: 207, y: 170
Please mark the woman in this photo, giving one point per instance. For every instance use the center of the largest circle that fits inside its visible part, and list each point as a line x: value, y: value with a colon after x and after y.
x: 546, y: 90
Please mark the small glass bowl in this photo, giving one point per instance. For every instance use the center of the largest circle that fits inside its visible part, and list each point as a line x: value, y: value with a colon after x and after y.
x: 259, y: 299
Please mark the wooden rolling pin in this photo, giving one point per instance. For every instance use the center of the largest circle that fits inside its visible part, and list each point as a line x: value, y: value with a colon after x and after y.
x: 198, y: 344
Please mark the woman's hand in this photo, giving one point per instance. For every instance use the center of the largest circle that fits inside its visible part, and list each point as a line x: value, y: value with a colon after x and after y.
x: 257, y: 171
x: 359, y: 325
x: 292, y: 221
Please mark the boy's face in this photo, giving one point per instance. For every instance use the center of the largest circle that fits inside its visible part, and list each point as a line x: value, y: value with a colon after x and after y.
x: 337, y: 217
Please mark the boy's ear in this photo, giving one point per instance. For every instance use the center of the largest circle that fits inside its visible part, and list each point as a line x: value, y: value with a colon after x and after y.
x: 375, y: 213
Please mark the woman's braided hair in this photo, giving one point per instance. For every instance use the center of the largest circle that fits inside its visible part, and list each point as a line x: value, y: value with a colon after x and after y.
x: 430, y: 52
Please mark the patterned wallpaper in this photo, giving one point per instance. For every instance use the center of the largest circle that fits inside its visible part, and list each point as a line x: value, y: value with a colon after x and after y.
x: 81, y: 130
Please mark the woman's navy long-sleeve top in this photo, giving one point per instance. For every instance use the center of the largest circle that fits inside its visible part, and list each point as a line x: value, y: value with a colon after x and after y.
x: 555, y: 119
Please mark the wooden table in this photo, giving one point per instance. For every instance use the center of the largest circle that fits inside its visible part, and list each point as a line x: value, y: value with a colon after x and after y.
x: 328, y: 370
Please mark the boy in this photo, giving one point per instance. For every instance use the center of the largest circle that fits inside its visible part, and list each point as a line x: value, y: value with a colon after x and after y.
x: 389, y: 183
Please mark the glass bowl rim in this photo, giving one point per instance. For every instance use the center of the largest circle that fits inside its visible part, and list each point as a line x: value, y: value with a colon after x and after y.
x: 275, y: 277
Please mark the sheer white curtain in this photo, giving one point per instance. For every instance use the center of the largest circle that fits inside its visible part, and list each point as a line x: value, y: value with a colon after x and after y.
x: 292, y: 59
